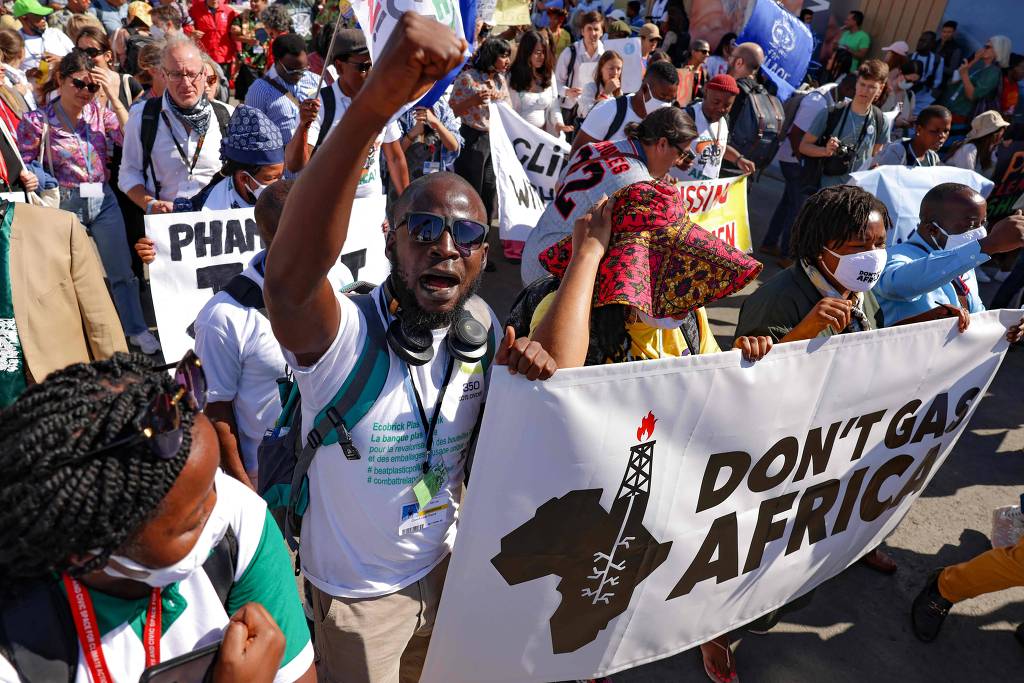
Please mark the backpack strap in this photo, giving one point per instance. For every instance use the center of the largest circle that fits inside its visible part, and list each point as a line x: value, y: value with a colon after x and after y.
x: 327, y: 95
x: 221, y: 565
x: 246, y: 292
x: 572, y: 65
x: 281, y: 89
x: 621, y: 106
x: 354, y: 399
x: 38, y: 637
x: 150, y: 124
x: 220, y: 110
x: 691, y: 333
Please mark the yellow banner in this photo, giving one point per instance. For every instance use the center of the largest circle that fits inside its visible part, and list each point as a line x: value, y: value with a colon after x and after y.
x: 720, y: 207
x: 511, y: 13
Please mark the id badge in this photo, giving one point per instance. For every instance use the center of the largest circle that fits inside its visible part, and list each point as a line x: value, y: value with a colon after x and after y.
x: 431, y: 482
x: 416, y: 518
x: 431, y: 167
x: 91, y: 190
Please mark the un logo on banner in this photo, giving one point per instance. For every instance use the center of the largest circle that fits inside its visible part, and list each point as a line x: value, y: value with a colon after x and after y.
x: 783, y: 37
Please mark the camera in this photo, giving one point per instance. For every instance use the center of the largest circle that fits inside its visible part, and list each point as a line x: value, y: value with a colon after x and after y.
x: 841, y: 162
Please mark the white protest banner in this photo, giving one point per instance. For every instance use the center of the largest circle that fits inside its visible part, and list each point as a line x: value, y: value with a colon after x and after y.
x: 519, y: 205
x: 623, y: 513
x: 198, y: 254
x: 632, y: 61
x: 901, y: 189
x: 720, y: 207
x: 16, y: 197
x: 541, y: 154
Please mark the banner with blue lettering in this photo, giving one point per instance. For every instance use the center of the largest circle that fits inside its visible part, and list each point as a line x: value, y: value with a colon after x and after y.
x: 786, y: 41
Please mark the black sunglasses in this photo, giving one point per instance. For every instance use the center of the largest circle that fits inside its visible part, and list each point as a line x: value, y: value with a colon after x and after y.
x: 93, y: 52
x: 427, y: 228
x: 160, y: 425
x: 361, y: 67
x: 80, y: 85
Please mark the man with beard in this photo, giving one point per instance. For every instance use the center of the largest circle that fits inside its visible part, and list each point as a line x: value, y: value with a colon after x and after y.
x: 384, y: 487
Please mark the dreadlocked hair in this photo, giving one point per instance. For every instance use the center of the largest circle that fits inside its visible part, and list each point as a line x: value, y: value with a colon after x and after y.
x: 833, y: 215
x: 609, y: 339
x: 53, y: 503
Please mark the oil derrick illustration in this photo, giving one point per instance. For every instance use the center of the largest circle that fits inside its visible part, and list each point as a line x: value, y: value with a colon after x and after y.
x: 600, y: 555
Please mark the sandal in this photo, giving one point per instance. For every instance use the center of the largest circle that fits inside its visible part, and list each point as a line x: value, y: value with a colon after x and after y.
x: 730, y: 676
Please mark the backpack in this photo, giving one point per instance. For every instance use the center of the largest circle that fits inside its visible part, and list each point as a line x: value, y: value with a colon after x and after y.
x: 756, y: 125
x: 621, y: 109
x: 813, y: 168
x: 284, y: 458
x: 151, y: 123
x: 132, y: 46
x: 792, y: 105
x: 327, y: 96
x: 37, y: 632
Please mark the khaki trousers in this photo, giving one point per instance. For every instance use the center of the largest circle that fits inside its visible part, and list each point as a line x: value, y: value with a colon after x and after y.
x: 376, y: 640
x: 994, y: 570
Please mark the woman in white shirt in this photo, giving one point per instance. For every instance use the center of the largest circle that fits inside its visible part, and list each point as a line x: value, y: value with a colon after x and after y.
x: 607, y: 83
x: 532, y: 90
x: 977, y: 151
x: 718, y: 62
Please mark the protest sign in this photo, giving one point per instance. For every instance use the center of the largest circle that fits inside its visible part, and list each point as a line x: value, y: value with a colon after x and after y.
x: 198, y: 254
x: 786, y: 41
x: 901, y: 189
x: 621, y: 513
x: 632, y: 62
x: 16, y: 197
x: 519, y: 201
x: 720, y: 207
x: 378, y: 19
x: 512, y: 13
x: 1009, y: 181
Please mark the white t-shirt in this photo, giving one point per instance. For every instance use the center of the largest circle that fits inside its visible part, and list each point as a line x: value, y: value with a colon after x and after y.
x: 243, y: 360
x: 716, y: 65
x: 53, y: 41
x: 708, y: 147
x: 193, y: 615
x: 812, y: 103
x: 364, y: 536
x: 603, y: 115
x: 369, y: 179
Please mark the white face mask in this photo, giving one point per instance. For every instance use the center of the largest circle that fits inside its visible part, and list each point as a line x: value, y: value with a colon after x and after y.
x: 652, y: 103
x: 954, y: 241
x: 121, y: 567
x: 659, y: 323
x: 258, y: 190
x: 905, y: 85
x: 859, y: 272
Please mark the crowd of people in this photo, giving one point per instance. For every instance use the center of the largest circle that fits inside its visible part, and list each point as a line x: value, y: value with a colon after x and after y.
x: 130, y: 506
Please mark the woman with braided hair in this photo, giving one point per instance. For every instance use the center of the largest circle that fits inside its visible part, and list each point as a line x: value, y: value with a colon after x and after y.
x: 119, y: 529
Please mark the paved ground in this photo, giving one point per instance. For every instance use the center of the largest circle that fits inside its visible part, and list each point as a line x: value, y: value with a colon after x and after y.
x: 857, y: 627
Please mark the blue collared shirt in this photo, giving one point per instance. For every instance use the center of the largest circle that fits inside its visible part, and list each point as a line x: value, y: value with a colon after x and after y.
x: 918, y: 277
x: 279, y: 108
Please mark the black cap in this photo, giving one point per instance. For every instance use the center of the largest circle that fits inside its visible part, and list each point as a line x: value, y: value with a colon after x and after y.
x: 349, y: 41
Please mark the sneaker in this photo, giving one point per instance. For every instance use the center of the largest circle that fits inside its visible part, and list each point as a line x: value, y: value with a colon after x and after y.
x: 146, y: 342
x: 982, y: 276
x: 1001, y: 275
x: 929, y: 610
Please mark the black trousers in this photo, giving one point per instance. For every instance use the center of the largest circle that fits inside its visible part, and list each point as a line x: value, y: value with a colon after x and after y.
x: 474, y: 164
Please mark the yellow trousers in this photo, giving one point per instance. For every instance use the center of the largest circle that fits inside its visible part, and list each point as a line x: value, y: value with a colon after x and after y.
x: 995, y: 570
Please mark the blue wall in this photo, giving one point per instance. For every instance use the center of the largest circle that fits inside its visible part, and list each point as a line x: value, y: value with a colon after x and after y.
x: 980, y: 19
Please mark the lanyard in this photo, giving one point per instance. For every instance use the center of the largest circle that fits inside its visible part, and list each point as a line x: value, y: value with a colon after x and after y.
x: 181, y: 150
x: 88, y: 634
x: 66, y: 120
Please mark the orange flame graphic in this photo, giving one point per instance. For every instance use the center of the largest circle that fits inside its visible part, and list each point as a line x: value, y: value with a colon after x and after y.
x: 646, y: 429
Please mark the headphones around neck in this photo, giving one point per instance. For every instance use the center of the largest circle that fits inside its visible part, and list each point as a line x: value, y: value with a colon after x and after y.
x: 466, y: 340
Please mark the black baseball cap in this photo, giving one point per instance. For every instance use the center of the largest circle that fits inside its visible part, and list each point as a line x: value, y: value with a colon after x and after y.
x: 349, y: 41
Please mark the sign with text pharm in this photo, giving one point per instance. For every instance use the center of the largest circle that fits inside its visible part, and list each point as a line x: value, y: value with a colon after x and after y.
x: 198, y: 254
x: 622, y: 513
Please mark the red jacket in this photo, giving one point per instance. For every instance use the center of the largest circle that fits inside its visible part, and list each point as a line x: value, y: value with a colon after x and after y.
x: 216, y: 28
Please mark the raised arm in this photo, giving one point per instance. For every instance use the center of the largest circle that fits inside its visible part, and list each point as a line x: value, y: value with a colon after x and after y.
x: 302, y: 306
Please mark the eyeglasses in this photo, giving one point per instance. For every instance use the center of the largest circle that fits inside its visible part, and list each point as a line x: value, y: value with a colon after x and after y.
x: 361, y: 67
x: 427, y: 228
x: 160, y: 425
x: 212, y: 79
x: 682, y: 152
x: 707, y: 52
x: 82, y: 85
x: 180, y: 76
x: 285, y: 71
x: 92, y: 52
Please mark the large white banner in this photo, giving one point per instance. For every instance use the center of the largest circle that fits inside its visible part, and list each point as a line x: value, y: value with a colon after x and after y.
x: 519, y: 202
x: 624, y: 513
x: 198, y: 254
x: 632, y: 61
x: 542, y: 155
x: 901, y: 189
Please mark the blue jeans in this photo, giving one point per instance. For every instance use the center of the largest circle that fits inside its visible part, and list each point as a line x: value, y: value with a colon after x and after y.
x: 789, y: 206
x: 103, y: 220
x: 1010, y: 290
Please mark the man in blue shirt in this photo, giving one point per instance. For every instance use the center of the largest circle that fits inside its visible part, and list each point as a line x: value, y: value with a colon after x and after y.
x: 279, y: 92
x: 934, y: 268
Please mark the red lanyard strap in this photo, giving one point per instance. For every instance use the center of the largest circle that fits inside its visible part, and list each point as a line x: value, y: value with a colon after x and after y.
x: 89, y: 636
